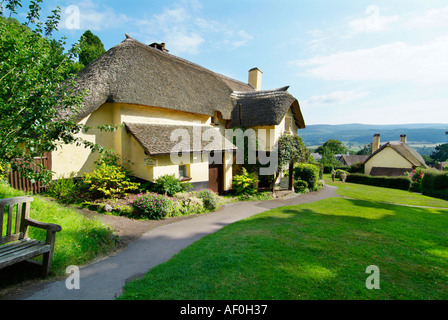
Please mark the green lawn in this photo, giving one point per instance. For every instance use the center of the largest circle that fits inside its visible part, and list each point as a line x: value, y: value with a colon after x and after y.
x: 314, y: 251
x: 379, y: 194
x: 81, y: 239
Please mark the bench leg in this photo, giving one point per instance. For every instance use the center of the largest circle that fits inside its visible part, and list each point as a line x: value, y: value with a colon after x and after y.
x: 48, y: 257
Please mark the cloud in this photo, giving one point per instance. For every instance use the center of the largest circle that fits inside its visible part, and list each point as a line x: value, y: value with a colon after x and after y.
x: 91, y: 16
x: 398, y: 61
x: 185, y: 30
x: 375, y: 22
x: 336, y: 97
x: 430, y: 18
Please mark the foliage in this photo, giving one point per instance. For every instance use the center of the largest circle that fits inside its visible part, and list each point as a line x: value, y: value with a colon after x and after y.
x: 34, y: 72
x: 170, y: 185
x: 402, y: 183
x: 187, y: 204
x: 63, y: 189
x: 332, y: 146
x: 209, y: 198
x: 416, y: 176
x: 152, y: 206
x: 435, y: 183
x: 91, y: 48
x: 300, y: 186
x: 339, y: 173
x: 107, y: 181
x: 245, y: 183
x: 440, y: 154
x: 366, y: 150
x: 308, y: 173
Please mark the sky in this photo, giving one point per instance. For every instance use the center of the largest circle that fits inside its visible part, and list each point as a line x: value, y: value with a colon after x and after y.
x: 346, y: 61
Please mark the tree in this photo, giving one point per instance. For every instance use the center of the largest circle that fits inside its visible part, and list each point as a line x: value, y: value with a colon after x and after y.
x: 91, y: 48
x: 332, y: 146
x: 366, y: 150
x: 290, y: 149
x: 34, y: 89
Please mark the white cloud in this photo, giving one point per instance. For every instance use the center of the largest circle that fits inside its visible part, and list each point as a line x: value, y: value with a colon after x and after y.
x: 397, y: 61
x: 375, y: 22
x: 183, y: 28
x: 336, y: 97
x: 93, y: 16
x: 430, y: 18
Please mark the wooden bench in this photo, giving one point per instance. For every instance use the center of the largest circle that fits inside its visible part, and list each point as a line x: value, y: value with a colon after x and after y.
x: 15, y: 246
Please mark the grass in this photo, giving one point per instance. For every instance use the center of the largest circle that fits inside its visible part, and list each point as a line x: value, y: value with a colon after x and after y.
x: 378, y: 194
x: 314, y: 251
x: 81, y: 239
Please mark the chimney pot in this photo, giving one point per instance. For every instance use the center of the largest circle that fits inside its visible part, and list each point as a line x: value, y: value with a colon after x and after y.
x: 403, y: 138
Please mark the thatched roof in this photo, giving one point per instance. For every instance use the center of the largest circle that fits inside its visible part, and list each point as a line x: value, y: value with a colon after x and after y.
x: 135, y: 73
x: 263, y: 108
x: 350, y: 160
x: 389, y: 172
x: 405, y: 150
x: 158, y: 139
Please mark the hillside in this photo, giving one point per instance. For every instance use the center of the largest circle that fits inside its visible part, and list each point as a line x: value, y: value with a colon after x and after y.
x: 357, y: 135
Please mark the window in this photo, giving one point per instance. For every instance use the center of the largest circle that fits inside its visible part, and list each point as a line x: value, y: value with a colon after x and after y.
x: 288, y: 124
x: 183, y: 173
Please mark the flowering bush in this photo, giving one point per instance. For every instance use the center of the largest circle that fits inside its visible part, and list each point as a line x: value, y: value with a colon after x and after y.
x: 416, y: 176
x: 152, y: 206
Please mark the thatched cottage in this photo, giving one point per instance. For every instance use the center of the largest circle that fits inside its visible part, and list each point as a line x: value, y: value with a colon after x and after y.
x: 152, y: 94
x: 393, y: 158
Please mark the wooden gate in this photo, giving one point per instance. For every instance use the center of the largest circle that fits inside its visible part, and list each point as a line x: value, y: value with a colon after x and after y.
x: 21, y: 183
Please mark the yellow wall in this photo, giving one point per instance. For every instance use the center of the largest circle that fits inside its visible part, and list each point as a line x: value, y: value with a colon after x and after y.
x: 388, y: 158
x: 71, y: 158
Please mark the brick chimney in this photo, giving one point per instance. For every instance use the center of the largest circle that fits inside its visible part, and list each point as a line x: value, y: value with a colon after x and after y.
x: 376, y: 142
x: 255, y: 77
x: 403, y: 138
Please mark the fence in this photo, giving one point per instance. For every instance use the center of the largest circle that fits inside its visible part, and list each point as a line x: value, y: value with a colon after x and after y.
x: 21, y: 183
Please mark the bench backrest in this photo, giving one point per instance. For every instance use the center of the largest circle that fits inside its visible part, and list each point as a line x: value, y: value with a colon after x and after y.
x: 13, y: 212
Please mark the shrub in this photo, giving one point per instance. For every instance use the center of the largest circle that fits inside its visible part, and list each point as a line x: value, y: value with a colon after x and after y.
x: 152, y: 206
x: 63, y: 189
x: 170, y: 185
x: 300, y: 186
x: 245, y: 183
x: 308, y: 173
x: 210, y: 199
x: 187, y: 204
x: 416, y: 176
x: 108, y: 181
x: 402, y: 183
x: 435, y: 183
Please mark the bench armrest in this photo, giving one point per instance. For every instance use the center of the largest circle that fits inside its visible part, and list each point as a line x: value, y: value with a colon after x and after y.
x: 41, y: 225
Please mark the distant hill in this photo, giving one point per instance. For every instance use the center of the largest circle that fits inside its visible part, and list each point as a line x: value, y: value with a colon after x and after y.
x: 357, y: 135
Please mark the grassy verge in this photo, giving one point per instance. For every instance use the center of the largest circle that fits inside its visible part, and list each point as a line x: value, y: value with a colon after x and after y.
x: 81, y: 239
x: 312, y: 251
x: 387, y: 195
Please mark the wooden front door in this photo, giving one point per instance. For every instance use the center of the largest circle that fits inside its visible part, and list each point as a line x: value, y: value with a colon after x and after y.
x: 216, y: 177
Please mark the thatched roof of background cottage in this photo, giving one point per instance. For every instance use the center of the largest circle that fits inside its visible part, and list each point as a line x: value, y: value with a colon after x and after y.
x: 135, y: 73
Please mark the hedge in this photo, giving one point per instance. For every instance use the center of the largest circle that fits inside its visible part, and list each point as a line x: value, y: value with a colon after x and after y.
x: 308, y: 173
x: 402, y: 183
x: 435, y: 183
